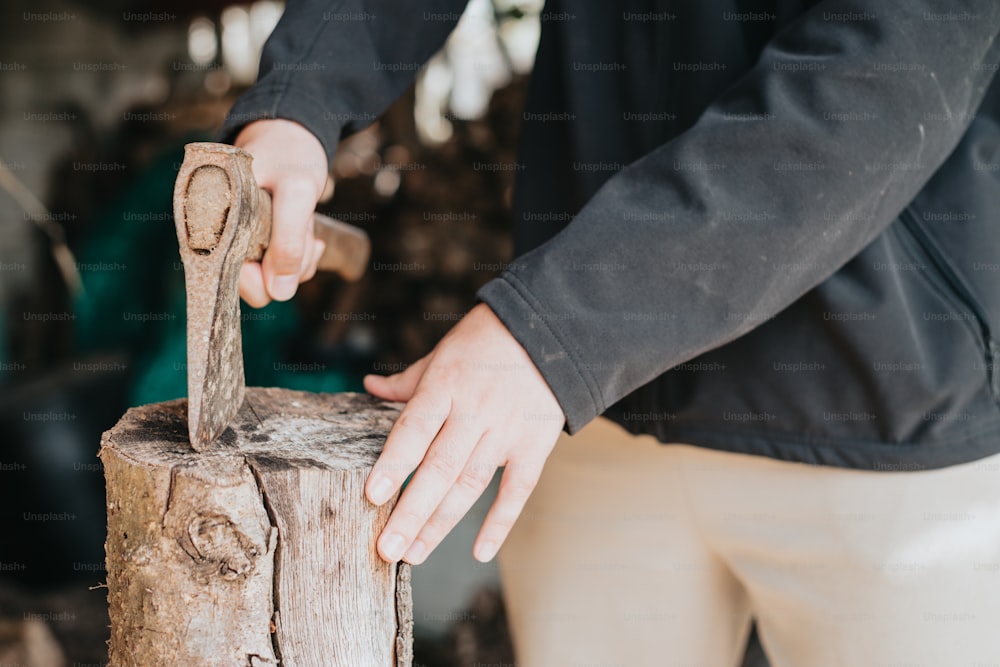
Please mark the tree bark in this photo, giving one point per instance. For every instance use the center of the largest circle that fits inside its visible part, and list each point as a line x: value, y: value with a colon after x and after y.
x: 258, y: 551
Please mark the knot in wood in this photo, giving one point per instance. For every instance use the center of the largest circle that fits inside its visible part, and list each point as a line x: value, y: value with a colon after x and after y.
x: 218, y: 541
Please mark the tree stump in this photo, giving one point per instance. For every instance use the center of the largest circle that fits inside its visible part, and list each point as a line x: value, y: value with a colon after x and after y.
x: 259, y: 551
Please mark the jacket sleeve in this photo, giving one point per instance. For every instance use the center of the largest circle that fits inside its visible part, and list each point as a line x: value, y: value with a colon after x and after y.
x: 662, y: 264
x: 335, y: 65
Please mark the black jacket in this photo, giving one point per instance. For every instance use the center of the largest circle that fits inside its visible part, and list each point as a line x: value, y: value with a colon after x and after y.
x: 772, y: 230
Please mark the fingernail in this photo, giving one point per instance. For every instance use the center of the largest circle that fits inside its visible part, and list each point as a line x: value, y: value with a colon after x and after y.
x: 283, y: 287
x: 416, y: 553
x: 381, y: 489
x: 486, y: 551
x: 392, y: 546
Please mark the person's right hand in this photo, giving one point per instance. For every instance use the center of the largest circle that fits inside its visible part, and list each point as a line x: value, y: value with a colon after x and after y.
x: 290, y: 163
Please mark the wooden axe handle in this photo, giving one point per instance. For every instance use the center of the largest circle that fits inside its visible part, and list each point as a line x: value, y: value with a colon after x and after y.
x: 347, y: 247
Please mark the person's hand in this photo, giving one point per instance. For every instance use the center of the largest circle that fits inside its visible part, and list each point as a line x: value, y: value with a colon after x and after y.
x: 475, y: 403
x: 290, y: 163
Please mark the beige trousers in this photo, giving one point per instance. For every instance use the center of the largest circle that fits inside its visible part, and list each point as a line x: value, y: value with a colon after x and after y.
x: 630, y: 553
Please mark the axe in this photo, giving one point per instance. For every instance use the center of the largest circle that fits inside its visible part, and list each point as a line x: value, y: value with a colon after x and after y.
x: 223, y: 219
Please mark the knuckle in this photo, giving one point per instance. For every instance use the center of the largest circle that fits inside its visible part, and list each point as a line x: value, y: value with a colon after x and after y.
x: 503, y: 523
x: 452, y: 446
x: 518, y: 490
x: 474, y: 479
x: 410, y: 517
x: 441, y: 467
x: 437, y: 526
x: 410, y: 420
x: 421, y: 417
x: 444, y: 374
x: 288, y: 252
x: 298, y: 187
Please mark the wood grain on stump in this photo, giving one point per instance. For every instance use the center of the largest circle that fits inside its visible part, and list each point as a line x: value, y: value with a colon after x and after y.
x: 259, y: 551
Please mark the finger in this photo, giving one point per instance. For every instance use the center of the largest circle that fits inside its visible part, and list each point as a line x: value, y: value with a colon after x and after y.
x: 518, y: 481
x: 469, y: 486
x: 310, y: 267
x: 291, y: 232
x: 411, y: 435
x: 446, y: 457
x: 252, y: 285
x: 399, y: 386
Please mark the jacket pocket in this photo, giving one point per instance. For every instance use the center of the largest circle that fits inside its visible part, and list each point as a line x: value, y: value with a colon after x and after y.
x: 943, y: 278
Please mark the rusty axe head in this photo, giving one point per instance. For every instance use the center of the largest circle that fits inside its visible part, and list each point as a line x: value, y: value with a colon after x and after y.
x: 215, y: 204
x: 222, y: 219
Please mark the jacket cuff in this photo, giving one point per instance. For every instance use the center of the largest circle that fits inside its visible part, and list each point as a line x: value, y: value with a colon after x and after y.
x: 537, y: 330
x: 269, y: 102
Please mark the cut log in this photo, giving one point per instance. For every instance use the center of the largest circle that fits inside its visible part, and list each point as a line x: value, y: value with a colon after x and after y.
x: 259, y: 551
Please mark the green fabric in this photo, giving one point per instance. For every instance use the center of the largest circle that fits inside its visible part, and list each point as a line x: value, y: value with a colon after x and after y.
x: 133, y: 300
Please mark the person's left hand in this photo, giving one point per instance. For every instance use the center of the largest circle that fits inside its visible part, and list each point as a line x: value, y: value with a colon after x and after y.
x: 475, y: 403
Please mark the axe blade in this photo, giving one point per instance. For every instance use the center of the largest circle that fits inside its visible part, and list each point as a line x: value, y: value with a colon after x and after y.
x: 222, y: 219
x: 215, y: 201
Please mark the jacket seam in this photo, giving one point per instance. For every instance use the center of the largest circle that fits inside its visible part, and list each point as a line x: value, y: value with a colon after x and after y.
x: 943, y: 285
x: 950, y: 298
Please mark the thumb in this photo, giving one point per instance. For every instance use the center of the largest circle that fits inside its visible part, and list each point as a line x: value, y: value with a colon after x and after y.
x: 398, y: 387
x: 291, y: 237
x: 290, y: 162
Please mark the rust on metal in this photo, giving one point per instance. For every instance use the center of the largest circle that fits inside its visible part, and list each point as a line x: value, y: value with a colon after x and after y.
x: 207, y: 202
x: 212, y: 259
x: 222, y: 219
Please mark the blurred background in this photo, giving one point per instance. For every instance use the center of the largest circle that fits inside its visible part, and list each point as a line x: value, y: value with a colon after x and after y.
x: 97, y: 99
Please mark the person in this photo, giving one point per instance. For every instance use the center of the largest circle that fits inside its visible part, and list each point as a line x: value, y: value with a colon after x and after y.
x: 756, y: 283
